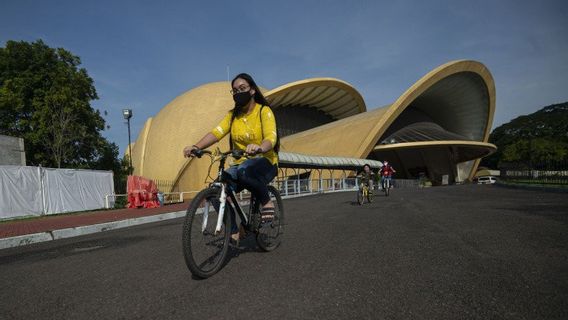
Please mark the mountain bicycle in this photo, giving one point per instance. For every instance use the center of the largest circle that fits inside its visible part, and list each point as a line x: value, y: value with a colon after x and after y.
x: 364, y: 193
x: 208, y: 222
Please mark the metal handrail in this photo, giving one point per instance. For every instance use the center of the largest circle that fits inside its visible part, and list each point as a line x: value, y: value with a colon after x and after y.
x: 294, y: 187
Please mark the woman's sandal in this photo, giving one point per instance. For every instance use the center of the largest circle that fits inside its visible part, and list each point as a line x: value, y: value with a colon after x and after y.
x: 267, y: 214
x: 237, y: 236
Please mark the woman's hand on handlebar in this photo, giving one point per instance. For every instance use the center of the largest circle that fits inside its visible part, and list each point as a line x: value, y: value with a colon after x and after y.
x: 190, y: 151
x: 253, y: 149
x: 194, y: 151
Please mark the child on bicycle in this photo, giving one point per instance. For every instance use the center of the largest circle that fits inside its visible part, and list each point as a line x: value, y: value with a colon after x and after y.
x: 366, y: 177
x: 252, y: 128
x: 386, y: 173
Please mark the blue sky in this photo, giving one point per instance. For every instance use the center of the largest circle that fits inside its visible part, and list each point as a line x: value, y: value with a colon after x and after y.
x: 143, y: 54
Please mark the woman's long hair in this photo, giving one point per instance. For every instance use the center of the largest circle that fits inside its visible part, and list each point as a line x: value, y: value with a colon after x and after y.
x: 258, y: 96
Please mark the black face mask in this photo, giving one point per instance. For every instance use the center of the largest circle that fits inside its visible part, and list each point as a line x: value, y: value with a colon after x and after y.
x: 242, y: 98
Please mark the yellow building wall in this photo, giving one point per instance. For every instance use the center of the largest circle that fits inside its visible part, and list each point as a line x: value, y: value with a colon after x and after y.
x: 341, y: 138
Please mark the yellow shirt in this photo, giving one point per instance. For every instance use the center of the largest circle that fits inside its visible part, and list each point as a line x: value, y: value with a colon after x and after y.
x: 247, y: 129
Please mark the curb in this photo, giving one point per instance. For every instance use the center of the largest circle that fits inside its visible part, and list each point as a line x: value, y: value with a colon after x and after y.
x: 83, y: 230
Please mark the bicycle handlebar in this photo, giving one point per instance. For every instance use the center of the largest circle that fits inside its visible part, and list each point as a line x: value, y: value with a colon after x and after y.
x: 235, y: 153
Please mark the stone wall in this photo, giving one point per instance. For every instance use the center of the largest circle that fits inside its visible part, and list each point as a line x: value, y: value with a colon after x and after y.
x: 12, y: 151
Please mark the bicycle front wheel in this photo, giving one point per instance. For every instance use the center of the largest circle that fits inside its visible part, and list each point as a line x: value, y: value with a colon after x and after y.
x: 205, y: 249
x: 370, y: 195
x: 360, y: 196
x: 270, y: 234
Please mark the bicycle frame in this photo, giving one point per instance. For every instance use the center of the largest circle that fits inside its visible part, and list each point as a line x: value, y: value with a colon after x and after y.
x: 386, y: 182
x: 234, y: 203
x: 365, y: 189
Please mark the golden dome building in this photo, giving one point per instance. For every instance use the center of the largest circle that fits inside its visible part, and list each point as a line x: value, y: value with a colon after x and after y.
x: 438, y: 127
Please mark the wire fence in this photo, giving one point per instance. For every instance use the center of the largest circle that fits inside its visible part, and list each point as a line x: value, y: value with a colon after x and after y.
x: 545, y: 173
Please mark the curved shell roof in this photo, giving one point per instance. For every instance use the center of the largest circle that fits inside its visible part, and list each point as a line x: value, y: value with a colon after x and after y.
x: 466, y: 150
x: 459, y: 95
x: 332, y: 96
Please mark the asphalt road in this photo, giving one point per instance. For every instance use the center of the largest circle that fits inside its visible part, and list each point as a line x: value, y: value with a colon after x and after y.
x: 460, y: 252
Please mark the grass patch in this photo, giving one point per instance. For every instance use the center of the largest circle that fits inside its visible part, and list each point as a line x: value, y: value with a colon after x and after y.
x: 532, y: 183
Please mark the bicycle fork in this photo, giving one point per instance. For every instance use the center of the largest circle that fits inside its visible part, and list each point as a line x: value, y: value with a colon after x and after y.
x: 221, y: 214
x: 222, y: 211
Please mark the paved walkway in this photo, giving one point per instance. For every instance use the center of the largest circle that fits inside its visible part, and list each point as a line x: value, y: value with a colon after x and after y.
x: 455, y: 252
x: 26, y: 231
x: 15, y: 233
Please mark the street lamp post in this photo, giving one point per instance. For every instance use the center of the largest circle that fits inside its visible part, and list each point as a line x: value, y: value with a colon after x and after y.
x: 127, y: 114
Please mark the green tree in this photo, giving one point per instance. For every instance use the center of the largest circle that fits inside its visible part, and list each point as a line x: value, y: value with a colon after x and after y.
x: 45, y: 99
x: 535, y: 152
x: 535, y: 138
x: 108, y: 160
x: 545, y: 151
x: 517, y: 152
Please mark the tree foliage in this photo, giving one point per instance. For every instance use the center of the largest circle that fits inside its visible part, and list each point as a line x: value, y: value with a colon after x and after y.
x: 535, y: 151
x: 532, y: 139
x: 45, y: 99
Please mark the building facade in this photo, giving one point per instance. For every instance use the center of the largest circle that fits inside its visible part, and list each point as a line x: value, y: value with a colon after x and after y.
x: 438, y: 128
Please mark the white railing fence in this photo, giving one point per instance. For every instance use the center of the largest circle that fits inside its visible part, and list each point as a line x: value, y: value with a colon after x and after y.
x: 287, y: 188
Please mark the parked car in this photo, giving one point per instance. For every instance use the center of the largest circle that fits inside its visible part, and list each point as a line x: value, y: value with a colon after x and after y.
x: 486, y: 180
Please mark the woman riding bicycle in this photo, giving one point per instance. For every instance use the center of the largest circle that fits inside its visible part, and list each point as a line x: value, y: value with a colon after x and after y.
x: 252, y: 128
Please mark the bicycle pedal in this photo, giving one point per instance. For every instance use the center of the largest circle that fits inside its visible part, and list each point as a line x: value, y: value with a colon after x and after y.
x: 267, y: 223
x: 267, y: 220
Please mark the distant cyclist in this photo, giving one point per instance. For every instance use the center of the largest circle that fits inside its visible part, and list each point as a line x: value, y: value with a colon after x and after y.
x: 366, y: 177
x: 386, y: 173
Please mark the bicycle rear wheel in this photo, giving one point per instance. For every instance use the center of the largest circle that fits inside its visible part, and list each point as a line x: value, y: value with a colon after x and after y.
x: 269, y: 235
x: 205, y: 250
x: 387, y: 187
